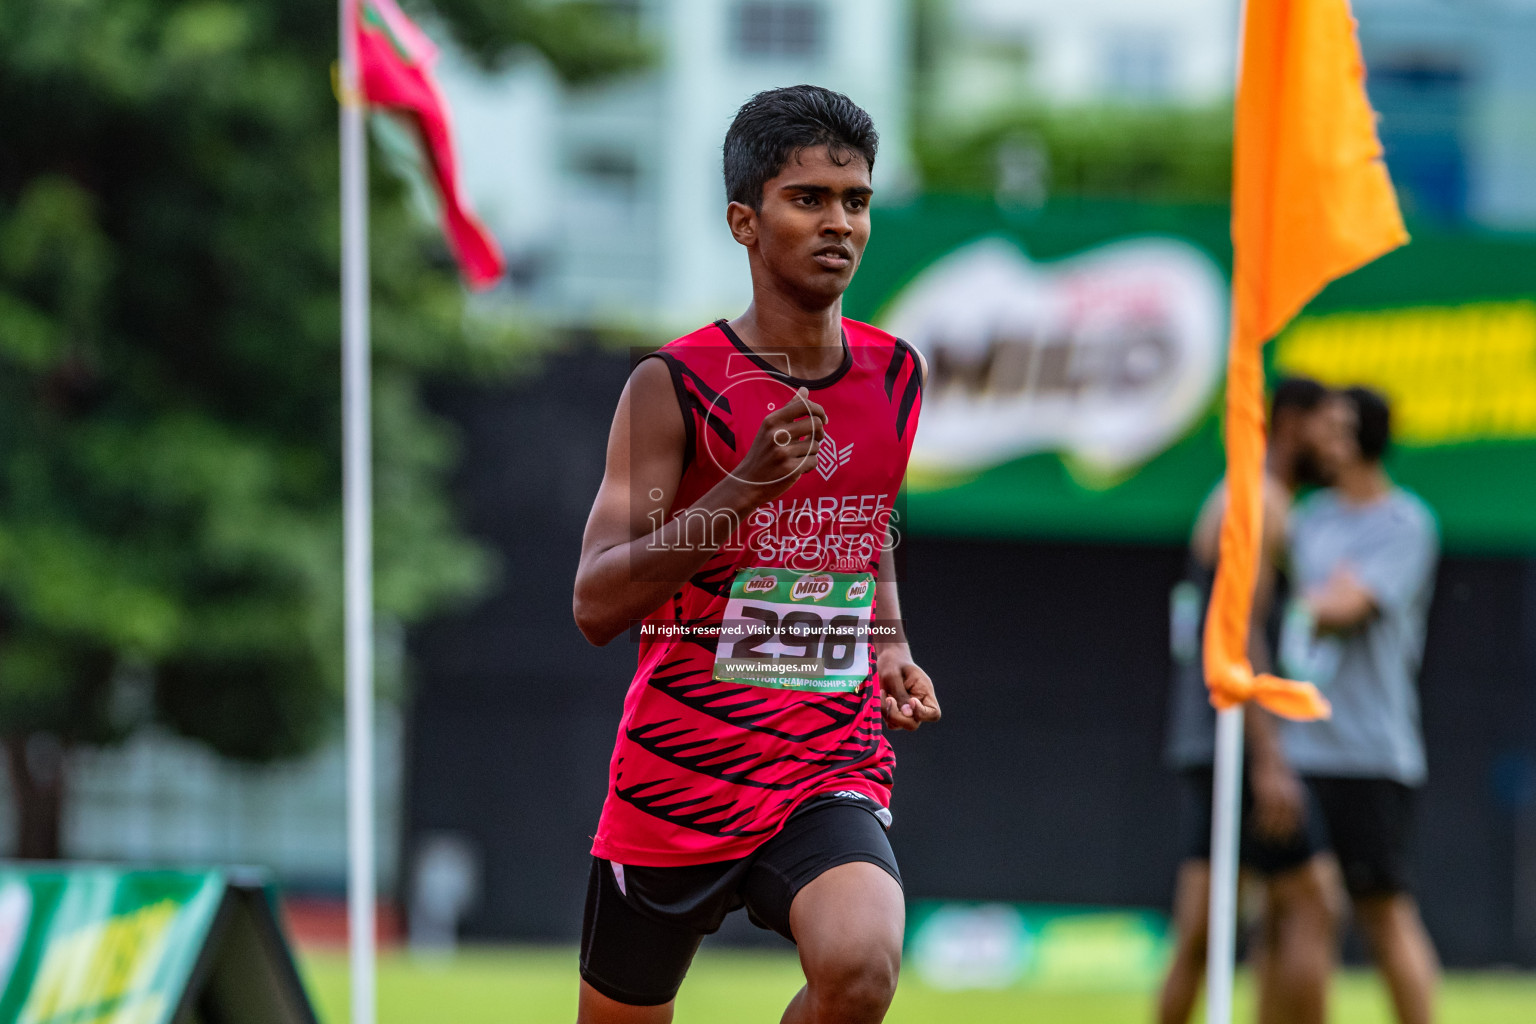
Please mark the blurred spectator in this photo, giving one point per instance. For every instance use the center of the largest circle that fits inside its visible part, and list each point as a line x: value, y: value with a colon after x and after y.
x: 446, y: 886
x: 1281, y: 841
x: 1363, y: 557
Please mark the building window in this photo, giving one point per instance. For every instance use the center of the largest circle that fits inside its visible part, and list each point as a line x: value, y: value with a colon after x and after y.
x: 1138, y: 68
x: 785, y: 28
x: 612, y: 172
x: 1422, y: 101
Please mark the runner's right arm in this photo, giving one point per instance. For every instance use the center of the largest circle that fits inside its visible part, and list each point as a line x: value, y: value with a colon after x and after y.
x: 633, y: 558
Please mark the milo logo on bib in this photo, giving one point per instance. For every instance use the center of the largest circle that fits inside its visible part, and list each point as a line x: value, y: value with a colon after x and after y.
x: 811, y: 588
x: 760, y: 584
x: 856, y: 591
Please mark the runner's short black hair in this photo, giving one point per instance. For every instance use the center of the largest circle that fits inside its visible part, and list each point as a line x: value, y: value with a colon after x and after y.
x: 1373, y: 422
x: 774, y: 125
x: 1301, y: 394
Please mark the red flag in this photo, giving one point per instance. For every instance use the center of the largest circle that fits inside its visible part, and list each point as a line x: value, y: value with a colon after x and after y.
x: 394, y: 62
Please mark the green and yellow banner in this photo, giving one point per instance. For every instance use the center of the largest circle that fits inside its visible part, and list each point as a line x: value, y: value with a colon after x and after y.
x: 1077, y: 355
x: 100, y: 945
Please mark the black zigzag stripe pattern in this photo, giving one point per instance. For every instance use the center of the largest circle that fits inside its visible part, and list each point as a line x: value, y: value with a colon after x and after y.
x: 746, y: 707
x: 671, y: 801
x: 695, y: 634
x: 698, y: 402
x: 893, y: 371
x: 733, y: 761
x: 881, y: 773
x: 902, y: 357
x: 668, y: 800
x: 707, y: 404
x: 716, y: 576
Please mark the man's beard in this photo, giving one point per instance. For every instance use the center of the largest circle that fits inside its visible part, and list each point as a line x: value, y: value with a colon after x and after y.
x: 1309, y: 472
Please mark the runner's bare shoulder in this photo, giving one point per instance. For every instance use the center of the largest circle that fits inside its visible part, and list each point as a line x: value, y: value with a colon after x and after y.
x: 647, y: 435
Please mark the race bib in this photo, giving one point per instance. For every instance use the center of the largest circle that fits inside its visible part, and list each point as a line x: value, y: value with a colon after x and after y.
x: 796, y: 630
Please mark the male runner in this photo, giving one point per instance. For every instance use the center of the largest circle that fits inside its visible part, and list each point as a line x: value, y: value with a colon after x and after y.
x: 742, y: 532
x: 1281, y: 837
x: 1363, y: 554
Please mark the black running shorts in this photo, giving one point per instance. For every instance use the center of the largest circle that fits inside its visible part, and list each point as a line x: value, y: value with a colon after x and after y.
x: 642, y: 925
x: 1369, y: 823
x: 1259, y: 852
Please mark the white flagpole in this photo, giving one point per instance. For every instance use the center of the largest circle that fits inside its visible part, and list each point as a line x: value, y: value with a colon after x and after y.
x: 1226, y: 796
x: 357, y: 512
x: 1226, y: 815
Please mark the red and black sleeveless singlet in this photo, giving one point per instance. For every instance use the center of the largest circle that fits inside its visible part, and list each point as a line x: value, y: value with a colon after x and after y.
x: 706, y: 770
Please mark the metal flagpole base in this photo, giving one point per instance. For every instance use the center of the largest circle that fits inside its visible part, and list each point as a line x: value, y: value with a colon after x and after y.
x: 1226, y: 814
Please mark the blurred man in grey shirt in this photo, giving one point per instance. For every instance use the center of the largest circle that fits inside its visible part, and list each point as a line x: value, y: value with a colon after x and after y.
x: 1363, y: 554
x: 1282, y: 843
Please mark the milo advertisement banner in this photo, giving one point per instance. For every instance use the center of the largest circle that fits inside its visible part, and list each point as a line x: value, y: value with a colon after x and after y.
x: 97, y: 945
x: 1077, y: 358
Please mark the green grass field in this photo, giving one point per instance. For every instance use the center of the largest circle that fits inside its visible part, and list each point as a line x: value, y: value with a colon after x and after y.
x: 538, y: 986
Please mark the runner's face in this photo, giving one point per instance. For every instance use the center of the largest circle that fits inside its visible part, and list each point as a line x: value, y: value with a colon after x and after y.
x: 814, y: 224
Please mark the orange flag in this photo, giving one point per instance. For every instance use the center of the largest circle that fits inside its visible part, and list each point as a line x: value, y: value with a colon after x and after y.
x: 1311, y: 201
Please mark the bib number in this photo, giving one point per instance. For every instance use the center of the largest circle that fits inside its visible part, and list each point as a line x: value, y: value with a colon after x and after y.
x: 797, y: 631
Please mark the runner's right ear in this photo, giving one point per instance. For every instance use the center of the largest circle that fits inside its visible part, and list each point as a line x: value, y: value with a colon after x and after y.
x: 743, y: 223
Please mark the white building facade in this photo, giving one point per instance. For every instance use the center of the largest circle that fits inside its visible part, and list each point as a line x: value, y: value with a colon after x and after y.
x: 164, y: 801
x: 610, y: 198
x: 1454, y: 82
x: 610, y: 202
x: 1005, y: 52
x: 1455, y: 85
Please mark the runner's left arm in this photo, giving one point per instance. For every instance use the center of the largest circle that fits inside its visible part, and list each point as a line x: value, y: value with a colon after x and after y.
x: 909, y: 699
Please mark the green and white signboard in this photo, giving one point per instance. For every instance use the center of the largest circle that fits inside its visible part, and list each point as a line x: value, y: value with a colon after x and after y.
x: 1077, y: 356
x: 965, y: 945
x: 97, y: 945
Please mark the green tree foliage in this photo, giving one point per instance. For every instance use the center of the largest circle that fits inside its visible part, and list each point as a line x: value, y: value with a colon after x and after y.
x: 1033, y: 150
x: 585, y: 40
x: 1153, y: 154
x: 169, y: 371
